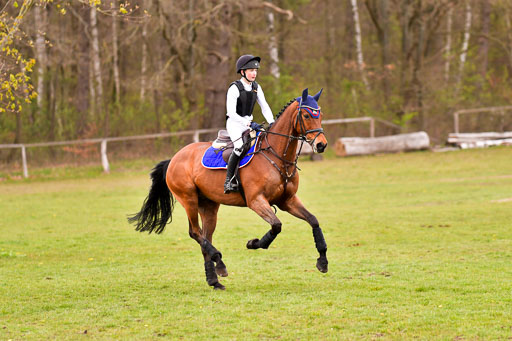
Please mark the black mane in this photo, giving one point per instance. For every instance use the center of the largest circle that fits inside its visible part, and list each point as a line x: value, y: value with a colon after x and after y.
x: 284, y: 108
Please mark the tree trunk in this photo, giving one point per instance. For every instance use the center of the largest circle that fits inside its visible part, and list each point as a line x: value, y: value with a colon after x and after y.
x: 448, y: 46
x: 465, y: 44
x: 144, y: 62
x: 190, y: 89
x: 483, y: 40
x: 330, y: 43
x: 509, y: 37
x: 359, y: 47
x: 406, y: 43
x: 96, y: 60
x: 115, y: 54
x: 52, y: 106
x: 40, y: 50
x: 418, y: 64
x: 219, y: 69
x: 272, y: 45
x: 82, y: 88
x: 384, y: 42
x: 379, y: 14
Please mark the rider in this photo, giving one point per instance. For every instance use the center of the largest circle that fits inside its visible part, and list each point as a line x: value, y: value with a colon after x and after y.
x: 241, y: 97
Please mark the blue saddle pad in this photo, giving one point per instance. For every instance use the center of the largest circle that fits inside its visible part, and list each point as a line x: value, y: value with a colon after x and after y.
x: 212, y: 158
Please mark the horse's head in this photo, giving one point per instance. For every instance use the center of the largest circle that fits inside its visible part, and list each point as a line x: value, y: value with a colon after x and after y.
x: 308, y: 122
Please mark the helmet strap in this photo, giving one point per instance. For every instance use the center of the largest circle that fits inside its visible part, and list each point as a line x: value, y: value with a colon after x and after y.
x: 242, y: 72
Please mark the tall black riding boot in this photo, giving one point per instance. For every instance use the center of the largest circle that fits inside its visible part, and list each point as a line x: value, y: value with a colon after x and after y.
x: 229, y: 186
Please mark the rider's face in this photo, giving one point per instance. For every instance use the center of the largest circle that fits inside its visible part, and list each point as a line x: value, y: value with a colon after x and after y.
x: 251, y: 74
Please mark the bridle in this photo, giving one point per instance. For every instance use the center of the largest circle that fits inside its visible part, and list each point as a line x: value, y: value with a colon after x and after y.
x: 299, y: 122
x: 314, y: 113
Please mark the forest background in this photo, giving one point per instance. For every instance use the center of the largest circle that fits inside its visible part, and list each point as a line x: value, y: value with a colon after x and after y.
x: 91, y: 68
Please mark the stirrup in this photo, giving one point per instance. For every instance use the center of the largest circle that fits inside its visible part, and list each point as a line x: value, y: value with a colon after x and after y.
x: 229, y: 186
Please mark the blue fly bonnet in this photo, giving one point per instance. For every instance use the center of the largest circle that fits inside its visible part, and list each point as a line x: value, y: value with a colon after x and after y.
x: 309, y: 103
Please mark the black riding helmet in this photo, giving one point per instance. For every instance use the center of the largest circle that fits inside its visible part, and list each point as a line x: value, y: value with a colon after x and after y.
x: 247, y: 61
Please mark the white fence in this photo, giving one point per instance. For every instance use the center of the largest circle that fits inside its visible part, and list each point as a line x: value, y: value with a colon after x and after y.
x: 195, y: 133
x: 492, y: 110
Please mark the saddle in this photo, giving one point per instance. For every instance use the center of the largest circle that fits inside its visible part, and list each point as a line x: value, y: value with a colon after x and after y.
x: 217, y: 156
x: 224, y: 143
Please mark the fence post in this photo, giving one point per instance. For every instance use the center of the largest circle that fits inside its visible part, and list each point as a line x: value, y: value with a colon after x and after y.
x: 372, y: 127
x: 24, y: 161
x: 196, y: 136
x: 456, y: 122
x: 104, y: 159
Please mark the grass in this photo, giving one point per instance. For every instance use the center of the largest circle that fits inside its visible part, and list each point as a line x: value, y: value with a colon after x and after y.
x: 420, y: 247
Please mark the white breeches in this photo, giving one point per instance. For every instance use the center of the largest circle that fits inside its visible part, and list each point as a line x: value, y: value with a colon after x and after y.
x: 235, y: 130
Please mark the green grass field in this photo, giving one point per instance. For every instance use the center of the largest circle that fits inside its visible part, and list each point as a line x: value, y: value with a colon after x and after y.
x: 419, y: 247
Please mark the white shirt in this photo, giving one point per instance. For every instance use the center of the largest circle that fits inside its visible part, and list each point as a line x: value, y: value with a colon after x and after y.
x: 232, y: 97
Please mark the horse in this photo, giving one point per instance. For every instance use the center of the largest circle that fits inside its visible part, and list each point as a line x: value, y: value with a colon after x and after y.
x: 270, y: 179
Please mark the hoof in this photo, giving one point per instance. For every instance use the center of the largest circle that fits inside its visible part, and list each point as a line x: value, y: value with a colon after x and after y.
x: 218, y: 286
x: 322, y: 264
x: 221, y: 271
x: 253, y: 244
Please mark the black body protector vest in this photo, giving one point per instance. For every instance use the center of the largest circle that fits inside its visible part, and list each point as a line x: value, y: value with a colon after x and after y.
x: 246, y: 100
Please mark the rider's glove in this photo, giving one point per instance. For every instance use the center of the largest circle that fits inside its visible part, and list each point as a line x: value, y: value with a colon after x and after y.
x: 256, y: 126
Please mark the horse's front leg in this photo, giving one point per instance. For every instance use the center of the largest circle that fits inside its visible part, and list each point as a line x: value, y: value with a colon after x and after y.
x: 295, y: 207
x: 261, y: 206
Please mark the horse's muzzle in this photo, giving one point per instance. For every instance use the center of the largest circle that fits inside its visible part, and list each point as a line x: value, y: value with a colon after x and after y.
x: 320, y: 147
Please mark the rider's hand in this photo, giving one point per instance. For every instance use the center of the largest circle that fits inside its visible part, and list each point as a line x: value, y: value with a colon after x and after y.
x: 256, y: 126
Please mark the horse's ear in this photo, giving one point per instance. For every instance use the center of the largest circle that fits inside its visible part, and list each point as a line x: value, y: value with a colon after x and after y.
x: 304, y: 95
x: 317, y: 96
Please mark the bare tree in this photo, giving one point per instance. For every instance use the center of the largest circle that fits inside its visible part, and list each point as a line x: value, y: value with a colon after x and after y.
x: 272, y: 45
x: 483, y: 40
x: 115, y: 56
x: 379, y: 13
x: 218, y: 66
x: 465, y: 43
x: 448, y: 45
x: 359, y: 47
x: 144, y: 61
x: 81, y: 97
x: 40, y: 51
x: 96, y: 61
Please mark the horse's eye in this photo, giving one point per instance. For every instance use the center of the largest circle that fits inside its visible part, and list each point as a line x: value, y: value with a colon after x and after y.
x: 306, y: 116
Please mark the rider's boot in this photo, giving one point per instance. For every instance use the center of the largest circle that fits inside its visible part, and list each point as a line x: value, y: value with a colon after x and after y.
x: 229, y: 186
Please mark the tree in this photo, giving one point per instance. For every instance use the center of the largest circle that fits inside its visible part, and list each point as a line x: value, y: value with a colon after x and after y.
x: 359, y: 46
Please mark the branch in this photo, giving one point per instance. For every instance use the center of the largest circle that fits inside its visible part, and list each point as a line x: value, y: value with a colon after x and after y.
x: 25, y: 7
x: 279, y: 10
x: 373, y: 15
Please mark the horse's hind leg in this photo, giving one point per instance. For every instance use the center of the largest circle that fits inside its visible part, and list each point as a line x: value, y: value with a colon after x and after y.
x: 208, y: 211
x: 263, y: 209
x: 295, y: 207
x: 191, y: 204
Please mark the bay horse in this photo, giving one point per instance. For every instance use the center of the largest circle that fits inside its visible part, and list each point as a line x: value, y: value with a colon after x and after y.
x: 270, y: 179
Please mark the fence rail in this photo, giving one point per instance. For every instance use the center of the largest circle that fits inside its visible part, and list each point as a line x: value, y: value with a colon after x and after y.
x: 492, y: 110
x: 195, y: 133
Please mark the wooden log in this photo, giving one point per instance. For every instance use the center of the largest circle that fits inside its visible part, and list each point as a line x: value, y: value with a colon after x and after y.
x: 473, y: 137
x: 350, y: 146
x: 485, y: 143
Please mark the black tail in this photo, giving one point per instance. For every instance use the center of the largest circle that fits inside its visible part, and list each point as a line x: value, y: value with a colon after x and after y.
x: 157, y: 208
